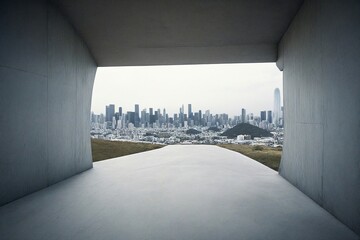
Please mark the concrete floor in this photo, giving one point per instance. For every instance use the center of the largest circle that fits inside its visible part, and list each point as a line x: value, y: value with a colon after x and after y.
x: 177, y: 192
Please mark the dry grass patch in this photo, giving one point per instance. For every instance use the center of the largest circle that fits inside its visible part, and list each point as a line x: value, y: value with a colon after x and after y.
x: 266, y: 155
x: 103, y: 149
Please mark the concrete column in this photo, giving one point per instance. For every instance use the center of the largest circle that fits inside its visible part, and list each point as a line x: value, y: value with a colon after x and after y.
x: 46, y: 79
x: 320, y: 57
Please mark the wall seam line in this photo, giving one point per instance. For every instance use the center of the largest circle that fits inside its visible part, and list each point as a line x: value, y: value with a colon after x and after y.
x: 22, y: 70
x: 47, y: 93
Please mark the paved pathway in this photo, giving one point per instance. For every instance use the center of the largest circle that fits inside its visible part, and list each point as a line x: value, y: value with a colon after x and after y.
x: 177, y: 192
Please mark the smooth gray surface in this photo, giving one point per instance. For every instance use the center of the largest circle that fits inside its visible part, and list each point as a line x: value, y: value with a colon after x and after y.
x: 181, y: 32
x: 320, y: 55
x: 46, y: 78
x: 177, y: 192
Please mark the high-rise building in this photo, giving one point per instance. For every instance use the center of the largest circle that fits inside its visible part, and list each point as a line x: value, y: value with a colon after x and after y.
x: 200, y: 117
x: 143, y: 116
x: 137, y: 117
x: 269, y: 116
x: 181, y: 114
x: 277, y: 110
x: 262, y: 115
x: 158, y: 115
x: 131, y: 117
x: 243, y: 115
x: 190, y: 114
x: 165, y: 116
x: 137, y: 109
x: 120, y: 111
x: 107, y: 114
x: 152, y: 118
x: 110, y: 112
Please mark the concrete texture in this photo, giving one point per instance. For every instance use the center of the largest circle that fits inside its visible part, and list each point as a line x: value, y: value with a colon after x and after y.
x: 46, y: 83
x: 177, y: 192
x: 181, y: 32
x: 320, y: 56
x: 46, y: 77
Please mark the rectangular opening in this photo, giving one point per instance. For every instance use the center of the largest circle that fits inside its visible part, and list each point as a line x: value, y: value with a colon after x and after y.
x: 224, y: 104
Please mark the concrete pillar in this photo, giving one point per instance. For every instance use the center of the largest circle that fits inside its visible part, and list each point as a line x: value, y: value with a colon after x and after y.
x: 46, y: 80
x: 320, y: 57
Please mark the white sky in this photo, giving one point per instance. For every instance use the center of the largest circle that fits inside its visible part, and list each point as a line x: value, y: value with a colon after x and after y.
x: 221, y: 88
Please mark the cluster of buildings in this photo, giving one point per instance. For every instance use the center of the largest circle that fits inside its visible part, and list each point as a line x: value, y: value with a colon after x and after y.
x: 136, y: 125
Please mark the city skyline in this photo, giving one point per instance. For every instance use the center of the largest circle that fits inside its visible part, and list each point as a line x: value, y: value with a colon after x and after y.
x: 221, y: 88
x: 184, y: 108
x: 159, y: 118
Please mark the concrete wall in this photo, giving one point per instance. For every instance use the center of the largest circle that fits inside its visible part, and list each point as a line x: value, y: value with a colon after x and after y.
x: 46, y: 79
x: 320, y: 56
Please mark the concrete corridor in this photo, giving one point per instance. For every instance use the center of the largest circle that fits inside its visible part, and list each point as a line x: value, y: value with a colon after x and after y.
x: 177, y: 192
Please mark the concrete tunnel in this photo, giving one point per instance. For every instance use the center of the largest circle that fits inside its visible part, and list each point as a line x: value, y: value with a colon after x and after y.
x: 50, y: 51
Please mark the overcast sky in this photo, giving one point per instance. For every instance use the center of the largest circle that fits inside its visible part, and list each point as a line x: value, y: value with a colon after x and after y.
x: 221, y: 88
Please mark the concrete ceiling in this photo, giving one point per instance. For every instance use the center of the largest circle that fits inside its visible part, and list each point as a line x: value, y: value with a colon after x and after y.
x: 144, y: 32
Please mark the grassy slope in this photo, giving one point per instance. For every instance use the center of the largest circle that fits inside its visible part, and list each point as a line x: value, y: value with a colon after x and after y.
x: 102, y: 149
x: 268, y: 156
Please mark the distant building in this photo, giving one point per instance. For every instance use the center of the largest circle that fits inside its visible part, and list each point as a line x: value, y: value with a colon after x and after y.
x: 181, y: 115
x: 143, y: 116
x: 152, y: 118
x: 190, y: 114
x: 269, y: 117
x: 110, y: 112
x: 277, y: 109
x: 240, y: 138
x: 262, y: 115
x: 131, y: 117
x: 137, y: 117
x: 113, y: 123
x: 243, y: 115
x: 107, y: 114
x: 164, y: 116
x: 200, y: 117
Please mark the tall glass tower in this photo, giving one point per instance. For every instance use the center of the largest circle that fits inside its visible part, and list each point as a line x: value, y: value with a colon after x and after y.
x: 277, y: 107
x: 189, y: 112
x: 137, y: 118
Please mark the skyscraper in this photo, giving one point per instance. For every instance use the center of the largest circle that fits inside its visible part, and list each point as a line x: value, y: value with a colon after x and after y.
x: 107, y: 115
x: 164, y: 117
x: 243, y: 115
x: 143, y: 116
x: 120, y: 111
x: 269, y: 117
x: 131, y: 117
x: 181, y: 114
x: 277, y: 110
x: 200, y: 117
x: 190, y: 114
x: 110, y: 112
x: 152, y: 118
x: 262, y: 115
x: 137, y: 118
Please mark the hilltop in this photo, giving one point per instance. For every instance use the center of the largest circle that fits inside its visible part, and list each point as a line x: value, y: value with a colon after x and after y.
x: 213, y: 129
x: 192, y: 131
x: 246, y: 129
